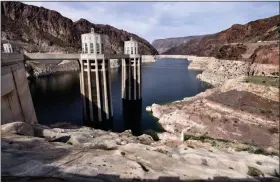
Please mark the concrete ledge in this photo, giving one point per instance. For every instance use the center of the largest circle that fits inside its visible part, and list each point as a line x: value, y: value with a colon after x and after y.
x: 11, y: 58
x: 50, y: 56
x: 58, y: 56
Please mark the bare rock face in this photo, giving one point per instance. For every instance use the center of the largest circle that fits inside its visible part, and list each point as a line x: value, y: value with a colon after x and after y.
x: 233, y: 52
x: 266, y: 54
x: 213, y: 45
x: 37, y: 29
x: 163, y: 45
x: 219, y: 71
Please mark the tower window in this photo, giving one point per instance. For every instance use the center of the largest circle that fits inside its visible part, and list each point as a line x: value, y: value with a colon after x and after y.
x: 91, y: 47
x: 131, y: 50
x: 86, y: 48
x: 97, y: 48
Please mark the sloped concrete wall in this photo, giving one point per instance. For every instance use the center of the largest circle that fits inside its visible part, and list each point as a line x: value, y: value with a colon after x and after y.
x: 16, y: 100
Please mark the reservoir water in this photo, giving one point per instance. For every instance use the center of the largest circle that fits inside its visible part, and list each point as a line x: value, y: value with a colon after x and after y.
x: 57, y: 98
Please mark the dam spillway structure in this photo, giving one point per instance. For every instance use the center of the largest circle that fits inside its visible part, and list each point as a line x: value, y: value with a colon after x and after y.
x: 131, y: 72
x: 95, y: 80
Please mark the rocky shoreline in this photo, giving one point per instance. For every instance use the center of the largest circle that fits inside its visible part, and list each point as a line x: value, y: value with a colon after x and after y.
x: 234, y: 110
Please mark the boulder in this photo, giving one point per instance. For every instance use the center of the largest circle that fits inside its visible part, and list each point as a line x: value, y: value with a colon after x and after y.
x: 152, y: 133
x: 49, y: 134
x: 146, y: 139
x: 149, y: 108
x: 157, y: 111
x: 18, y: 127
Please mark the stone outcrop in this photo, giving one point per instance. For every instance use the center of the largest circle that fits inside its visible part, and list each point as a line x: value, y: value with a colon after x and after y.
x: 217, y: 71
x: 37, y: 69
x: 74, y: 153
x: 35, y: 29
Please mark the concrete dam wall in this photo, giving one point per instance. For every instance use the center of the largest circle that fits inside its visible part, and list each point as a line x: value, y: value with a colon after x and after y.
x: 16, y: 100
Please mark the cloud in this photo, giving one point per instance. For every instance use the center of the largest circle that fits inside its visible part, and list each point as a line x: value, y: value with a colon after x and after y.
x: 154, y: 20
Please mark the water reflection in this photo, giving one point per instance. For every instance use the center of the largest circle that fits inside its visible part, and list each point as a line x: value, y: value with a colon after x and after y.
x: 57, y: 98
x: 132, y: 115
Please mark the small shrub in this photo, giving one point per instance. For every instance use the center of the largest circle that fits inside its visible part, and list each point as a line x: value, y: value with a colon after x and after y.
x: 190, y: 146
x: 214, y: 144
x: 153, y: 134
x: 259, y: 151
x: 254, y: 171
x: 161, y: 151
x: 273, y: 130
x: 204, y: 162
x: 259, y: 163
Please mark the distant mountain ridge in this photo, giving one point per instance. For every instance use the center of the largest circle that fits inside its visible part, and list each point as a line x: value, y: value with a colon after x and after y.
x: 266, y: 29
x: 163, y: 45
x: 35, y: 29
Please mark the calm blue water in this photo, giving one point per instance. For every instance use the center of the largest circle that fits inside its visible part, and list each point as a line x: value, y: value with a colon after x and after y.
x: 57, y: 98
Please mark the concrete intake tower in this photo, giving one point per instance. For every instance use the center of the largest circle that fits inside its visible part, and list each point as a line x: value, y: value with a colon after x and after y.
x: 131, y: 71
x: 95, y: 79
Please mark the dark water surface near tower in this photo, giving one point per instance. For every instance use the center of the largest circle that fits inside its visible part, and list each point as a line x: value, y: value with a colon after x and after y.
x: 57, y: 98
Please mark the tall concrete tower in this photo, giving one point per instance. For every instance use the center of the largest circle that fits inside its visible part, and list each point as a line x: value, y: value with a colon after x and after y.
x: 131, y: 71
x: 95, y: 79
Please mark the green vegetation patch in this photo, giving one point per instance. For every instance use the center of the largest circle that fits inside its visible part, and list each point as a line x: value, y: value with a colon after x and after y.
x: 263, y: 80
x: 250, y: 148
x: 256, y: 150
x: 204, y: 138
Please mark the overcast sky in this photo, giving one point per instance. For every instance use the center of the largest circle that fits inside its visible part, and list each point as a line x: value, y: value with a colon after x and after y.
x: 156, y: 20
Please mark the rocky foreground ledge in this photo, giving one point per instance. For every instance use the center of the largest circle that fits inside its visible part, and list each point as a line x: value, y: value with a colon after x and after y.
x: 72, y: 153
